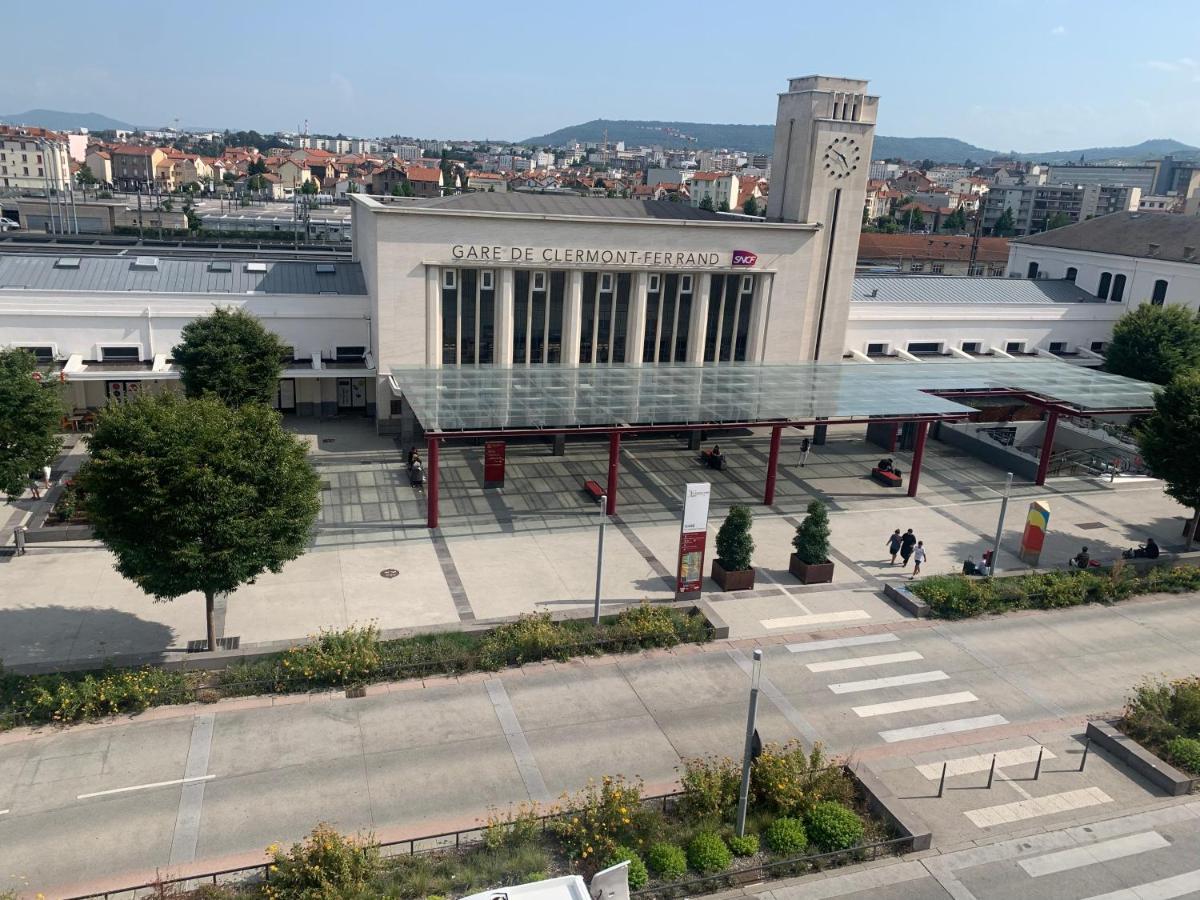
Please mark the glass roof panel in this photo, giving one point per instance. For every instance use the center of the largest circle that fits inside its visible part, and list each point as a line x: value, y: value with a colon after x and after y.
x: 553, y: 397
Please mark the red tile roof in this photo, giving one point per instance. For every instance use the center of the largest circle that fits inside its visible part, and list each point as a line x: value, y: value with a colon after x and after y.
x: 875, y: 246
x: 419, y: 173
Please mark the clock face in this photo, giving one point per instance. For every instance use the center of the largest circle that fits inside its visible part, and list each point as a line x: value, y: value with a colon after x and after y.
x: 842, y: 157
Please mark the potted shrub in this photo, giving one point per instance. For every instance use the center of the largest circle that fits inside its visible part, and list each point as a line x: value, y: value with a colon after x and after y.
x: 810, y: 563
x: 731, y: 569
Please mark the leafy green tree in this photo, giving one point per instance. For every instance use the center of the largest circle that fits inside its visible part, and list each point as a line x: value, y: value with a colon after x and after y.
x: 1006, y: 224
x: 723, y: 206
x: 309, y: 188
x: 956, y: 221
x: 1154, y: 343
x: 229, y: 178
x: 30, y: 413
x: 85, y: 177
x: 1168, y: 441
x: 1058, y: 220
x: 707, y: 204
x: 257, y: 167
x: 812, y: 535
x: 191, y: 495
x: 256, y: 183
x: 734, y: 543
x: 230, y: 354
x: 750, y: 207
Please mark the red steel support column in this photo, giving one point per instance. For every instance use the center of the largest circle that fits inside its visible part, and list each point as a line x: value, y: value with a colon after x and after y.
x: 614, y: 459
x: 895, y: 437
x: 918, y: 453
x: 431, y: 480
x: 772, y: 464
x: 1047, y: 448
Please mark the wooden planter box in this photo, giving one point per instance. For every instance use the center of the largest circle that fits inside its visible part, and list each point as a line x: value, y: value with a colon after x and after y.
x: 741, y: 580
x: 818, y: 573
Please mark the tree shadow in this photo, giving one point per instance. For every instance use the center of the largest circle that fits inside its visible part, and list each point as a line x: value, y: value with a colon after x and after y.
x: 60, y: 638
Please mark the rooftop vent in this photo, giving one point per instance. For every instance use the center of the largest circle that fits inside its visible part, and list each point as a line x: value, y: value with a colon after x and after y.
x: 1154, y: 248
x: 1189, y: 253
x: 326, y: 268
x: 256, y: 267
x: 145, y: 264
x: 67, y: 262
x: 218, y: 265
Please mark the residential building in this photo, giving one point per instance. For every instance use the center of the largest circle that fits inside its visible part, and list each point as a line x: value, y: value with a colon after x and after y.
x: 135, y: 166
x: 933, y: 254
x: 408, y: 152
x: 425, y: 182
x: 1126, y: 258
x: 487, y: 181
x: 1142, y: 177
x: 884, y: 171
x: 1034, y: 205
x: 718, y: 188
x: 99, y: 162
x: 1160, y: 203
x: 293, y: 173
x: 33, y: 159
x: 385, y: 178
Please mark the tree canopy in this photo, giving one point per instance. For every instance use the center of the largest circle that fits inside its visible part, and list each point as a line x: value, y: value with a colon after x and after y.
x: 811, y: 541
x: 1154, y: 343
x: 734, y: 544
x: 1058, y: 220
x: 1168, y: 440
x: 191, y: 495
x: 956, y: 221
x: 230, y: 354
x: 1006, y: 224
x: 30, y: 413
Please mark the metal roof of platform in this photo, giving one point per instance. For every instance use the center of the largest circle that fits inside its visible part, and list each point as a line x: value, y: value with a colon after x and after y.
x: 564, y: 398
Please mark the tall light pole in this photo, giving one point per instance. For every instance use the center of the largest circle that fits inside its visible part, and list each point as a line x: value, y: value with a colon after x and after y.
x: 1000, y: 524
x: 600, y: 556
x: 748, y: 752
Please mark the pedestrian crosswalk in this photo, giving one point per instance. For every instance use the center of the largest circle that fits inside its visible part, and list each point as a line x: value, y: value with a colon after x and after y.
x: 888, y: 671
x: 1101, y: 851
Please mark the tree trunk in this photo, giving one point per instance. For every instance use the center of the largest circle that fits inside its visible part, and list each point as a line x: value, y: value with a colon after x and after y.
x: 209, y: 598
x: 1192, y: 530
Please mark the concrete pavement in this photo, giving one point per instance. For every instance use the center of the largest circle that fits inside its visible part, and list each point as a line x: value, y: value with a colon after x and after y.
x: 210, y: 786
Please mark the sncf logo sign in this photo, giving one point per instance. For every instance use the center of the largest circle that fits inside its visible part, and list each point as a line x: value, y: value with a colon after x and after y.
x: 744, y: 258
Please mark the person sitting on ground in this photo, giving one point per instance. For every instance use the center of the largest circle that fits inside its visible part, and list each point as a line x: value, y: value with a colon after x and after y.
x: 715, y: 452
x: 885, y: 465
x: 1081, y: 559
x: 1150, y: 551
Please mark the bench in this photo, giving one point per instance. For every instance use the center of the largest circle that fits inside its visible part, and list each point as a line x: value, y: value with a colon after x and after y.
x: 713, y: 462
x: 593, y: 488
x: 887, y: 479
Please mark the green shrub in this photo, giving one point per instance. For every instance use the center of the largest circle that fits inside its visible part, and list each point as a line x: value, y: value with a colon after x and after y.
x: 637, y: 869
x: 1161, y: 710
x: 72, y: 697
x: 515, y: 828
x: 529, y: 639
x: 707, y: 854
x: 667, y: 860
x: 786, y: 836
x: 746, y: 845
x: 734, y: 544
x: 341, y: 657
x: 710, y: 788
x: 787, y: 780
x: 600, y: 818
x: 812, y: 535
x: 646, y: 625
x: 832, y: 826
x: 1185, y: 753
x: 325, y: 865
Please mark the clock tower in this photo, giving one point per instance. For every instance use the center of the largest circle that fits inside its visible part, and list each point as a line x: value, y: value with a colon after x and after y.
x: 823, y: 135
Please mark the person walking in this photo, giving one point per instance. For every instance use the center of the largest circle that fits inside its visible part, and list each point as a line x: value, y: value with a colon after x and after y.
x: 893, y: 545
x: 918, y: 558
x: 907, y: 541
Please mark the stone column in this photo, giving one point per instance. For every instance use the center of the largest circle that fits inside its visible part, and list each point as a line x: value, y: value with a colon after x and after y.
x: 504, y: 319
x: 635, y: 331
x: 756, y: 345
x: 699, y: 320
x: 433, y: 317
x: 572, y: 318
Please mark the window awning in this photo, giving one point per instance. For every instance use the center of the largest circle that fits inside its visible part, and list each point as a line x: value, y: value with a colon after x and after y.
x: 564, y: 398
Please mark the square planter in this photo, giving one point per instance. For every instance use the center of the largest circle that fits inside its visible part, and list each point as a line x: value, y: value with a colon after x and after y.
x: 741, y: 580
x: 817, y: 573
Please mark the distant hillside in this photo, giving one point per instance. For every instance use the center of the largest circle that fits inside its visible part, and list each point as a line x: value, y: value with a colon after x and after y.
x: 66, y: 121
x: 760, y: 139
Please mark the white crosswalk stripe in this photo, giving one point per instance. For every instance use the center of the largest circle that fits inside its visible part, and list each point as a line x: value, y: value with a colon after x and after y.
x: 913, y: 703
x: 1163, y: 889
x: 849, y: 615
x: 965, y: 765
x: 840, y: 643
x: 1090, y: 854
x: 936, y: 729
x: 875, y: 684
x: 1047, y: 805
x: 862, y: 662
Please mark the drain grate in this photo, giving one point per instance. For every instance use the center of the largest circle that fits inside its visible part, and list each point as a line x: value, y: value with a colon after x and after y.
x: 326, y: 484
x: 1089, y: 526
x: 225, y: 643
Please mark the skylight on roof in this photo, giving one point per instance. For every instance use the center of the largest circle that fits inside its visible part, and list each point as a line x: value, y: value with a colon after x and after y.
x: 67, y: 262
x: 256, y: 267
x: 326, y: 268
x: 145, y: 263
x: 220, y: 265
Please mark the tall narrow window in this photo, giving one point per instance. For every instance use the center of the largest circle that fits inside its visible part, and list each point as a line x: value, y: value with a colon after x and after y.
x: 669, y: 320
x: 716, y: 309
x: 1159, y: 297
x: 587, y: 323
x: 554, y: 320
x: 654, y: 302
x: 602, y: 327
x: 683, y: 315
x: 449, y: 317
x: 1118, y: 289
x: 520, y: 315
x: 620, y: 322
x: 745, y: 306
x: 1105, y: 284
x: 487, y: 318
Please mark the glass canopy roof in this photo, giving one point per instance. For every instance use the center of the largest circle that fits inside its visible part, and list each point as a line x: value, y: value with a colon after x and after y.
x: 488, y: 398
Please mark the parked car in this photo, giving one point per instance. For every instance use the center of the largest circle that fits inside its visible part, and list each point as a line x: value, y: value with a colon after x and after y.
x: 6, y: 224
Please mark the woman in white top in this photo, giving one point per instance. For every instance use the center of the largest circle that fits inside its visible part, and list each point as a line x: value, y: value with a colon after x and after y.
x: 918, y: 558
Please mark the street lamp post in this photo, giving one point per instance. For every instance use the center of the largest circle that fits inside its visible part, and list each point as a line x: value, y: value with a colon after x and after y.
x: 748, y: 752
x: 1000, y: 525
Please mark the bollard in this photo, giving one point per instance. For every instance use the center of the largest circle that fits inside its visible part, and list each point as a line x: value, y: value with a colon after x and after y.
x: 1038, y: 771
x: 1086, y: 747
x: 992, y: 772
x: 942, y: 783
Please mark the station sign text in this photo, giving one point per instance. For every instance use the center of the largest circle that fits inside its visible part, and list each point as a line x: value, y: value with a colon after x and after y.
x: 679, y: 259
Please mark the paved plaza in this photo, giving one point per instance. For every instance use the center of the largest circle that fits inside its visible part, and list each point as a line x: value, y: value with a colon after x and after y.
x: 532, y: 545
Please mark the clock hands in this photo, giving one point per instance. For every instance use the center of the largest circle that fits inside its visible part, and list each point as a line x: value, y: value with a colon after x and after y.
x: 839, y: 156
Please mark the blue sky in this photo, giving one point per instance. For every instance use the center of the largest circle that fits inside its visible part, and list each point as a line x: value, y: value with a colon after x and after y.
x: 1029, y: 76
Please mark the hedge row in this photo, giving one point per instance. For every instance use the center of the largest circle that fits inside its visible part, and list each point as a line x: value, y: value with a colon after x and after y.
x: 961, y: 596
